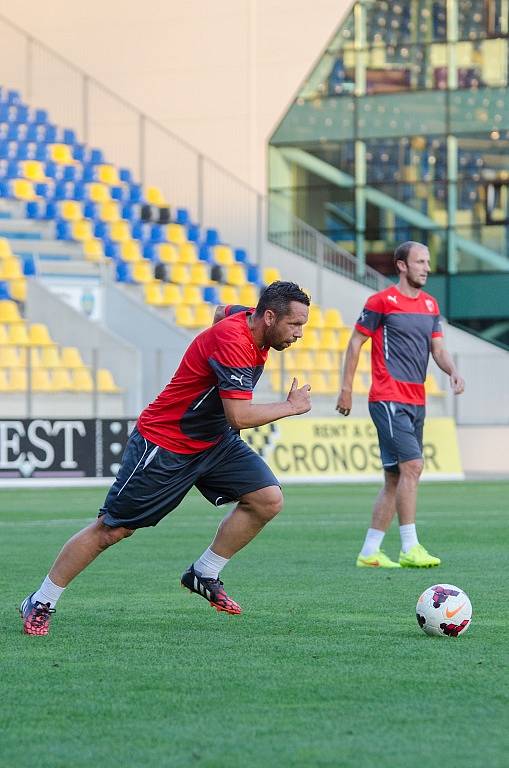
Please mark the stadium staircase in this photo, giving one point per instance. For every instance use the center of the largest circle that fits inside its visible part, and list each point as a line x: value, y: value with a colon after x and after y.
x: 61, y: 200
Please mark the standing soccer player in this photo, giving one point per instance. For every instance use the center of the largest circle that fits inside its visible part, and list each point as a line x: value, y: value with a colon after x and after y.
x: 404, y: 325
x: 187, y: 436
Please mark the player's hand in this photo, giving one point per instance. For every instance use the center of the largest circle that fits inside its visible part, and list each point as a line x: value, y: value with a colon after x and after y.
x: 457, y: 384
x: 299, y: 398
x: 344, y: 404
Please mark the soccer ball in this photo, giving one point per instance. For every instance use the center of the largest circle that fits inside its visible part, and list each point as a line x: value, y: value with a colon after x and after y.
x: 444, y: 610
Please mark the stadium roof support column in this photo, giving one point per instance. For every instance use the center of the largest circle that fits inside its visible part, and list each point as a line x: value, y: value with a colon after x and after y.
x: 452, y: 142
x: 360, y: 147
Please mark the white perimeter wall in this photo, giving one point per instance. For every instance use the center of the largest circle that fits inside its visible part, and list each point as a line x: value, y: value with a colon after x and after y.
x: 220, y: 74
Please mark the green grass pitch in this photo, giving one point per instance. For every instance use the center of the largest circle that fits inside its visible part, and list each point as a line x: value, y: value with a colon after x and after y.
x: 326, y: 666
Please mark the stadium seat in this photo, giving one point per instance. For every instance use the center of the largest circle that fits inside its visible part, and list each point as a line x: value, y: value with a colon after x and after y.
x: 228, y: 294
x: 120, y: 232
x: 22, y: 189
x: 236, y: 275
x: 33, y: 170
x: 180, y: 274
x: 61, y: 380
x: 9, y: 312
x: 141, y: 272
x: 176, y: 233
x: 39, y: 335
x: 199, y: 274
x: 70, y: 210
x: 18, y: 289
x: 18, y: 335
x: 10, y: 269
x: 109, y: 212
x: 184, y: 315
x: 40, y: 380
x: 5, y: 249
x: 60, y: 153
x: 71, y: 357
x: 107, y: 174
x: 315, y: 319
x: 270, y: 275
x: 332, y: 318
x: 130, y: 251
x: 203, y: 315
x: 223, y: 254
x: 18, y: 380
x: 172, y: 294
x: 81, y: 230
x: 9, y: 356
x: 187, y: 253
x: 50, y: 357
x: 359, y: 386
x: 105, y: 381
x: 81, y: 380
x: 167, y: 253
x: 98, y: 193
x: 93, y: 249
x: 154, y: 196
x: 153, y: 294
x: 248, y: 295
x: 191, y: 294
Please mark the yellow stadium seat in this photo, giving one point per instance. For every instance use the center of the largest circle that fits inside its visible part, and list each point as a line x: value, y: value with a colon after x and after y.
x: 248, y: 295
x: 105, y: 381
x: 142, y: 272
x: 71, y: 357
x: 154, y: 196
x: 184, y: 315
x: 5, y: 249
x: 332, y: 318
x: 39, y: 335
x: 364, y: 365
x: 223, y: 255
x: 9, y: 312
x: 187, y: 253
x: 4, y: 381
x: 9, y: 357
x: 236, y: 275
x: 310, y: 340
x: 82, y: 230
x: 431, y: 386
x: 33, y: 170
x: 120, y: 232
x: 22, y: 189
x: 107, y: 174
x: 50, y: 357
x: 40, y: 380
x: 275, y: 381
x: 199, y: 274
x: 109, y: 212
x: 329, y: 339
x: 3, y: 335
x: 93, y: 249
x: 18, y: 335
x: 18, y: 380
x: 130, y: 251
x: 61, y: 380
x: 359, y: 386
x: 344, y: 338
x: 10, y: 269
x: 315, y: 319
x: 180, y: 274
x: 324, y: 361
x: 176, y: 233
x: 319, y: 384
x: 304, y: 359
x: 61, y: 154
x: 172, y: 294
x: 71, y: 210
x: 191, y: 294
x: 153, y: 294
x: 168, y: 253
x: 203, y: 315
x: 334, y: 379
x: 98, y: 193
x: 228, y: 294
x: 270, y: 275
x: 30, y: 352
x: 81, y: 380
x: 18, y: 288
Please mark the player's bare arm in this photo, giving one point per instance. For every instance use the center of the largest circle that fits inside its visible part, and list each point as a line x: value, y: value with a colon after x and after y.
x: 445, y: 362
x: 243, y: 414
x: 344, y: 403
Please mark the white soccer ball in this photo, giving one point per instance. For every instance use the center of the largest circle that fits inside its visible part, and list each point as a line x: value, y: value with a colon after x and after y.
x: 444, y: 610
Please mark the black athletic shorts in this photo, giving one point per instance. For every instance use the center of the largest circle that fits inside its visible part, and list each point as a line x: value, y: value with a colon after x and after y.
x: 399, y: 427
x: 152, y: 481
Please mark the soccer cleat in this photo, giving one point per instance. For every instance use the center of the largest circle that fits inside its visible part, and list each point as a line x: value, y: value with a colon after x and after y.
x: 418, y: 557
x: 376, y: 560
x: 36, y: 616
x: 211, y: 589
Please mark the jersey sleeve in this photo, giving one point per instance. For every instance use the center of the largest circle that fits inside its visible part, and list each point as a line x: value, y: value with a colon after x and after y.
x: 437, y: 331
x: 234, y: 366
x: 371, y: 316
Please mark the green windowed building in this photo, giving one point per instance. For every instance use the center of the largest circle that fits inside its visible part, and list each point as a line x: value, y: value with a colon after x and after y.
x: 401, y: 132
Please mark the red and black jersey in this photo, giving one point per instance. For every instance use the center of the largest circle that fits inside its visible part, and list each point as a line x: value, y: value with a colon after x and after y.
x: 222, y: 362
x: 401, y: 328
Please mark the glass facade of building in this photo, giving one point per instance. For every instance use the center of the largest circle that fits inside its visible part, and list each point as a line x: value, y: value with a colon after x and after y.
x: 401, y: 132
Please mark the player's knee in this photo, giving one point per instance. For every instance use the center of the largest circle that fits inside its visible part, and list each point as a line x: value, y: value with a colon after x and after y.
x: 265, y: 503
x: 412, y: 469
x: 110, y: 536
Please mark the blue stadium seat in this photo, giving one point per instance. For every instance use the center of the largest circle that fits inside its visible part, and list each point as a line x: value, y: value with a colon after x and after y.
x: 123, y: 272
x: 29, y: 267
x: 212, y: 237
x: 125, y: 176
x: 253, y: 274
x: 112, y: 251
x: 240, y: 255
x: 150, y: 251
x: 135, y: 193
x: 4, y: 290
x: 211, y: 294
x: 91, y: 210
x: 63, y: 230
x: 182, y: 216
x: 193, y: 233
x: 120, y: 193
x: 205, y: 254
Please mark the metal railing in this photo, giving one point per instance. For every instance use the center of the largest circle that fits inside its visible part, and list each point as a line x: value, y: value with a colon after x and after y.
x: 215, y: 197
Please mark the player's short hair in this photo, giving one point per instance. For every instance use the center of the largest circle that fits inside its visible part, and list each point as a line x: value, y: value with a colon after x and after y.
x: 402, y: 252
x: 278, y: 295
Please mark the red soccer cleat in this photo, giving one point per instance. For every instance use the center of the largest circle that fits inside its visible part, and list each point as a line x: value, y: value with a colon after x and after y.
x: 211, y: 589
x: 36, y: 616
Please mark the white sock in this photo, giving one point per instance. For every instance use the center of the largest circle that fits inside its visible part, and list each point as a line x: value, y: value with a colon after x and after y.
x: 408, y: 536
x: 48, y: 592
x: 372, y: 542
x: 210, y: 565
